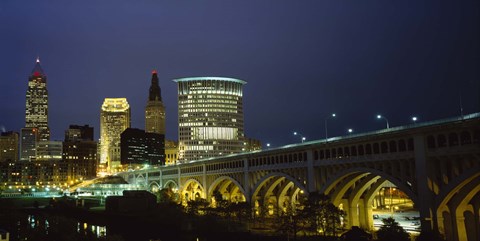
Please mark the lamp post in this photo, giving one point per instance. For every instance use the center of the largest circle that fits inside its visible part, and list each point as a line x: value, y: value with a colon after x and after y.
x: 414, y: 119
x: 302, y: 136
x: 350, y: 131
x: 383, y: 117
x: 326, y: 129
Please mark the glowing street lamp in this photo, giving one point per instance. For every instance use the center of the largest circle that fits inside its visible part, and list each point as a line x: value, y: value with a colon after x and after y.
x: 414, y: 119
x: 350, y: 130
x: 383, y: 117
x: 326, y: 129
x: 303, y: 137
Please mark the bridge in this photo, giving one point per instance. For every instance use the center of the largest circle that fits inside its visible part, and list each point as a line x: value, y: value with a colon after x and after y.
x: 437, y: 164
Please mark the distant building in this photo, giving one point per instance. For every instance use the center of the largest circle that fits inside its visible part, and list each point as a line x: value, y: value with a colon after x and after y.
x: 28, y: 143
x: 76, y: 132
x: 80, y: 152
x: 210, y: 117
x: 9, y: 146
x: 252, y: 144
x: 155, y: 111
x: 114, y: 119
x: 49, y: 151
x: 36, y: 108
x: 34, y: 173
x: 140, y: 147
x: 171, y: 152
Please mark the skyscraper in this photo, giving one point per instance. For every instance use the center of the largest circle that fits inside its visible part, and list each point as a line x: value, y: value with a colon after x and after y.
x: 80, y: 152
x: 28, y: 143
x: 155, y: 111
x: 36, y: 109
x: 210, y: 117
x: 114, y: 119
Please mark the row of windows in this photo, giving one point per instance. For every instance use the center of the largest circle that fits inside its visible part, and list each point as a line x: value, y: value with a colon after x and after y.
x: 453, y: 139
x: 279, y: 159
x: 226, y: 165
x: 365, y: 149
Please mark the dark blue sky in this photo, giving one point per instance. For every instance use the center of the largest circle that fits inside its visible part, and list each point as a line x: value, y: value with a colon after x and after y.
x: 302, y: 59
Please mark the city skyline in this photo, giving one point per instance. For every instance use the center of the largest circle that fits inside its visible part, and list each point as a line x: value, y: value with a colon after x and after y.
x: 420, y: 60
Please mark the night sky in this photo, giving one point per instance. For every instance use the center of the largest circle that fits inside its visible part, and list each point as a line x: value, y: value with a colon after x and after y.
x: 302, y: 60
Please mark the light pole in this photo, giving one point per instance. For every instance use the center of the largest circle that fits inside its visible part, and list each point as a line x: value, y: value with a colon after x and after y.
x: 326, y: 129
x: 350, y: 130
x: 303, y: 137
x: 383, y: 117
x: 414, y: 119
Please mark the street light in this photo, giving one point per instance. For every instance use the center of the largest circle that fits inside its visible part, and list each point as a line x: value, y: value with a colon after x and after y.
x: 326, y: 129
x: 414, y: 119
x: 350, y: 130
x: 268, y: 144
x: 383, y: 117
x: 297, y: 133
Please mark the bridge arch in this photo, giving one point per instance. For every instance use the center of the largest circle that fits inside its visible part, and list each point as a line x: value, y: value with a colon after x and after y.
x: 353, y: 189
x: 236, y: 193
x: 192, y: 189
x: 154, y: 187
x: 334, y: 180
x: 458, y: 212
x: 171, y: 184
x: 276, y: 191
x: 141, y: 181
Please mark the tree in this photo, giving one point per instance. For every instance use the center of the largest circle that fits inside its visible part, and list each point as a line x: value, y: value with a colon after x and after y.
x: 166, y: 195
x: 322, y: 215
x: 392, y: 231
x: 356, y: 234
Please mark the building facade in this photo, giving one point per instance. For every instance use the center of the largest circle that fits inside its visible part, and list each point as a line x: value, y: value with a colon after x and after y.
x: 49, y: 151
x: 80, y: 152
x: 114, y: 119
x: 28, y: 143
x: 210, y: 117
x: 155, y: 111
x: 171, y: 152
x: 9, y: 146
x: 36, y: 108
x: 139, y: 148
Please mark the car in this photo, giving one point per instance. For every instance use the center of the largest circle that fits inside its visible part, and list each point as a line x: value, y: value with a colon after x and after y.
x: 375, y: 216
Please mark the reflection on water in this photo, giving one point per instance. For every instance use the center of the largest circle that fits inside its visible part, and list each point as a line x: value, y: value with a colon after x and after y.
x: 40, y: 224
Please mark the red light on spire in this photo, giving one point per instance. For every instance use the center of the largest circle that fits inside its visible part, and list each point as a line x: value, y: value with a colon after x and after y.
x: 154, y: 72
x: 36, y: 74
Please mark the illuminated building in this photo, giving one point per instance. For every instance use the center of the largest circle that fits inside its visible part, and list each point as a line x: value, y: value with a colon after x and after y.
x: 252, y: 144
x: 210, y: 117
x: 36, y: 109
x: 171, y: 152
x: 49, y: 151
x: 155, y: 111
x: 139, y: 147
x: 9, y: 146
x: 114, y: 119
x: 80, y: 152
x: 28, y: 143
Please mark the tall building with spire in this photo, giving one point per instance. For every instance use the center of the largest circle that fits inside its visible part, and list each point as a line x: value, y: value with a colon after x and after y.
x: 114, y: 119
x: 36, y: 109
x: 155, y: 111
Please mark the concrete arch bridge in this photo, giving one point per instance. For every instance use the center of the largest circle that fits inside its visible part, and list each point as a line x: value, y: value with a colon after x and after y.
x: 437, y: 164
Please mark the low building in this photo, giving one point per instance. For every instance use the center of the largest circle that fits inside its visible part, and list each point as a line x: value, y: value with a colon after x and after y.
x: 133, y: 202
x: 9, y: 146
x: 49, y: 151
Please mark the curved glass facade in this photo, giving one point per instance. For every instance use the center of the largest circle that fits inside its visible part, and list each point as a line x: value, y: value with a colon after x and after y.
x: 210, y: 117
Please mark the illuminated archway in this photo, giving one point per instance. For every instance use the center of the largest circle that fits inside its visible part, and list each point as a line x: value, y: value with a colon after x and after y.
x: 230, y: 189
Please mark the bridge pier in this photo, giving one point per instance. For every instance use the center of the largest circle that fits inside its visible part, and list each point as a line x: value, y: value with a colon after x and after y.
x: 424, y: 184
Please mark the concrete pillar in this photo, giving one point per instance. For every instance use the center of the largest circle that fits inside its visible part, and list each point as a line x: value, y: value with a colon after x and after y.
x: 204, y: 182
x: 310, y: 172
x: 423, y: 178
x: 246, y: 181
x: 353, y: 214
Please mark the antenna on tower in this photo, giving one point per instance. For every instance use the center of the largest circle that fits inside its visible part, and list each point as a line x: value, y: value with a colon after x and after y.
x: 461, y: 103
